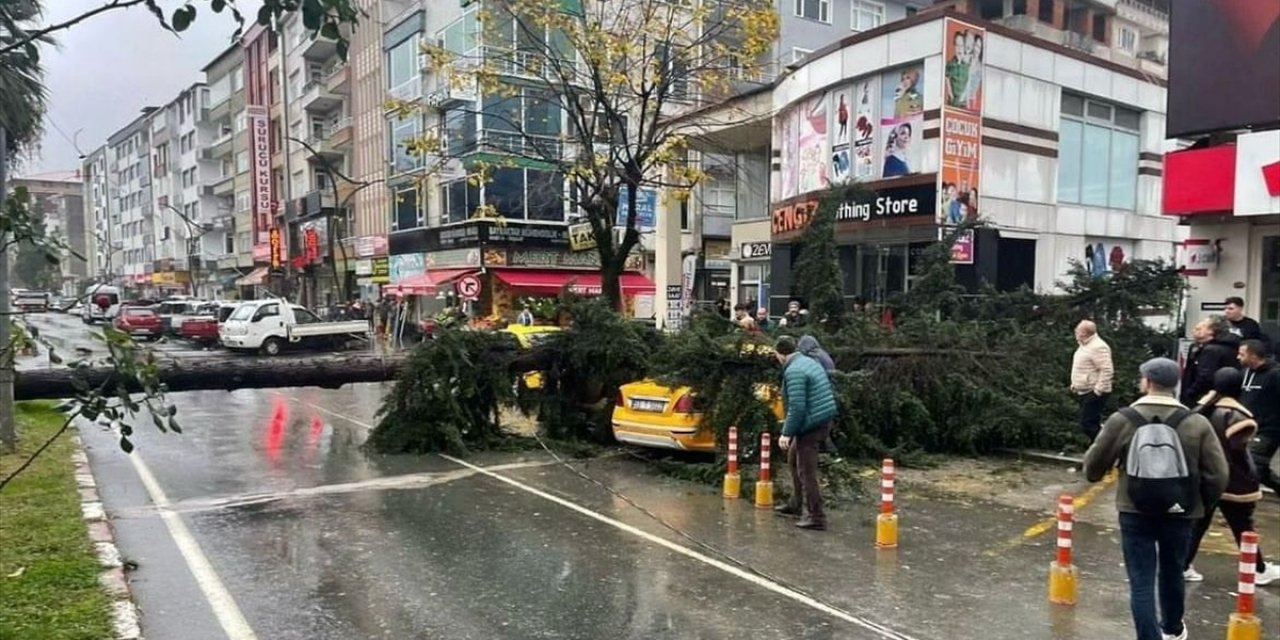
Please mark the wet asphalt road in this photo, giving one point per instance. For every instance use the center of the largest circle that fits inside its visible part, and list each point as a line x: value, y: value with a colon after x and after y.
x: 265, y: 520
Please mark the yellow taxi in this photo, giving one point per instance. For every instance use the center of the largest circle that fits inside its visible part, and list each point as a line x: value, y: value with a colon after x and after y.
x: 527, y: 337
x: 650, y: 414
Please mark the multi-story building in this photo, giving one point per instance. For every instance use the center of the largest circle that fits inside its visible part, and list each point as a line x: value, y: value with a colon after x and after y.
x: 1032, y: 107
x: 59, y: 201
x: 187, y: 245
x: 129, y: 174
x: 99, y: 196
x: 319, y: 188
x: 228, y: 151
x: 366, y: 247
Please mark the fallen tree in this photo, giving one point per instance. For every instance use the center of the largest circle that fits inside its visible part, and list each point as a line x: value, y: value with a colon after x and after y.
x: 229, y: 373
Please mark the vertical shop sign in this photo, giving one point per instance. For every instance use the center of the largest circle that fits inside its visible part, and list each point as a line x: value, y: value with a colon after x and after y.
x: 961, y: 130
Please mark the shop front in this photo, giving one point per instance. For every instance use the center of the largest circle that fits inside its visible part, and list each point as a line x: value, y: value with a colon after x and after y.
x: 1229, y: 196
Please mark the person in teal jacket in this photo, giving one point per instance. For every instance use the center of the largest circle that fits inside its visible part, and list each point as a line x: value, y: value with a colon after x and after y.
x: 809, y: 405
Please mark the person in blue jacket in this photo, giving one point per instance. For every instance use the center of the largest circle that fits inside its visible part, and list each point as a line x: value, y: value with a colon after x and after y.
x: 809, y: 405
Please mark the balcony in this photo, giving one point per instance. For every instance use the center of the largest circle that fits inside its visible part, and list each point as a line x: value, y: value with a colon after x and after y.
x: 225, y: 186
x: 449, y: 90
x: 319, y: 48
x: 340, y: 134
x: 316, y: 98
x: 221, y: 147
x: 510, y: 143
x: 339, y: 80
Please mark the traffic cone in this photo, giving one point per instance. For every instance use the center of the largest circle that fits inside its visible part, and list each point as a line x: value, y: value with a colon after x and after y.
x: 887, y: 521
x: 1244, y: 624
x: 1063, y: 585
x: 732, y: 479
x: 764, y: 486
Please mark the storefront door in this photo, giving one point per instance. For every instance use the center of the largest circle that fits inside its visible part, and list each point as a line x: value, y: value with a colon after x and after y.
x: 1269, y: 287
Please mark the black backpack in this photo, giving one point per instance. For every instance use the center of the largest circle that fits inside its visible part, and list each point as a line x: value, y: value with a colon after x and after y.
x: 1159, y: 478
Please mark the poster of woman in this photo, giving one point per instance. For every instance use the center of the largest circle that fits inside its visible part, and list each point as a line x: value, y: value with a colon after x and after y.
x: 864, y: 130
x: 902, y: 120
x: 813, y: 147
x: 841, y: 113
x: 790, y: 153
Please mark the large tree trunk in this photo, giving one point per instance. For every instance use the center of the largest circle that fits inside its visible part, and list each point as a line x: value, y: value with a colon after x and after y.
x: 222, y: 373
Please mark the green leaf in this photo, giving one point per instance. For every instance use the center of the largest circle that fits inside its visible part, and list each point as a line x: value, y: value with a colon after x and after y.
x: 174, y: 426
x: 330, y: 31
x: 125, y: 445
x: 183, y: 17
x: 264, y: 16
x: 218, y: 5
x: 312, y: 14
x: 159, y: 14
x: 343, y: 47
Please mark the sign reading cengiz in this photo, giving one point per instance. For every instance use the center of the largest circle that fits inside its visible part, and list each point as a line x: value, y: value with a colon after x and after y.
x: 898, y: 202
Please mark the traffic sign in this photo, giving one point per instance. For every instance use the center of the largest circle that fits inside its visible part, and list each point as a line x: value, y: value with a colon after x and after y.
x: 469, y: 287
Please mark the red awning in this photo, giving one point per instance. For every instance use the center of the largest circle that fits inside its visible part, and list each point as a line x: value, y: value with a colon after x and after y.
x: 548, y: 282
x: 425, y: 283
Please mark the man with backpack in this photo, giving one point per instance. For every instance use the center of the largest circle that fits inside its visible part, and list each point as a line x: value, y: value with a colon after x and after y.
x: 1172, y: 466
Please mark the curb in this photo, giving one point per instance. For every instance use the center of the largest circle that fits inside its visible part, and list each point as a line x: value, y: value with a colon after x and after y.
x: 124, y: 613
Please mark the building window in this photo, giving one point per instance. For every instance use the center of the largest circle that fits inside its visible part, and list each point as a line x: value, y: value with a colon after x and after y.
x: 798, y: 55
x: 1128, y: 39
x: 991, y: 9
x: 866, y: 15
x: 408, y: 215
x: 242, y: 162
x: 752, y: 277
x: 819, y: 10
x: 1100, y: 27
x: 403, y: 68
x: 526, y: 194
x: 1098, y: 154
x: 526, y: 114
x: 1019, y: 7
x: 403, y: 132
x: 458, y: 198
x: 1046, y: 11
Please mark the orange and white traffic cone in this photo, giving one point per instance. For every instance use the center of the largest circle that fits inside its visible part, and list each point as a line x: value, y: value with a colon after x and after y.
x: 1063, y: 583
x: 1244, y: 624
x: 732, y: 479
x: 887, y: 521
x: 764, y: 486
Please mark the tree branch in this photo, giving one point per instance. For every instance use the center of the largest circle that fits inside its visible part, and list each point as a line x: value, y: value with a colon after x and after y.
x: 28, y: 37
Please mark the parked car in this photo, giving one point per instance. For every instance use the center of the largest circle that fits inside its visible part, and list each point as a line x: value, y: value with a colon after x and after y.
x: 139, y: 321
x: 272, y: 326
x: 527, y: 337
x: 31, y: 301
x: 649, y: 414
x: 101, y: 303
x: 202, y: 328
x: 174, y: 311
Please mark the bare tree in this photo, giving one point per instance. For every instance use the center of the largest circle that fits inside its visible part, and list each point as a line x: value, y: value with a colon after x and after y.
x: 588, y: 91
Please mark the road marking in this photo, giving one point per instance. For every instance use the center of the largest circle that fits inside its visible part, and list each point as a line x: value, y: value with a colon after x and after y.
x: 332, y: 413
x: 224, y: 606
x: 1050, y: 523
x: 876, y: 628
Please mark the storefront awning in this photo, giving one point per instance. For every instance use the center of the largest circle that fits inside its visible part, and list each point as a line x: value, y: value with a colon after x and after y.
x: 426, y: 283
x: 254, y: 279
x: 548, y: 282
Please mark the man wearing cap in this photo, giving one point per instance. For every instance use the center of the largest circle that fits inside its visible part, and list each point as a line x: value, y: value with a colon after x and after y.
x: 1157, y: 545
x: 810, y: 408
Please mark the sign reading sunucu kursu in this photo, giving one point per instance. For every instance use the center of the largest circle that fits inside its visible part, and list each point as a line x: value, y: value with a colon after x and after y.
x: 260, y: 141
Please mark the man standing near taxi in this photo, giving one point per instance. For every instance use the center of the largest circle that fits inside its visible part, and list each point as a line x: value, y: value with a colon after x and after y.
x: 1091, y: 375
x: 809, y: 405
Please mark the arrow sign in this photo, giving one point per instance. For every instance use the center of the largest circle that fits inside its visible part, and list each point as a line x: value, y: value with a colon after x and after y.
x: 469, y: 287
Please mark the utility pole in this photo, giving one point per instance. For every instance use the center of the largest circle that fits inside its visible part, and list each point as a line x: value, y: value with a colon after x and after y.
x: 8, y: 424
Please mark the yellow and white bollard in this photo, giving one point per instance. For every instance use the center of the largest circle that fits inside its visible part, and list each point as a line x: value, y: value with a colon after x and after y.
x: 887, y: 521
x: 732, y: 479
x: 764, y: 486
x: 1063, y: 577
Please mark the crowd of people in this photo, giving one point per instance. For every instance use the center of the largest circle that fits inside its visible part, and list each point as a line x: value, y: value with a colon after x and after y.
x: 1203, y: 438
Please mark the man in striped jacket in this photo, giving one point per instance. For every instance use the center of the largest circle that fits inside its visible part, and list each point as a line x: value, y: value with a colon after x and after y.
x: 810, y: 409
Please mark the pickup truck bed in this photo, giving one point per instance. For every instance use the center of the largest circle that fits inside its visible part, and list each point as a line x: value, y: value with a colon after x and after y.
x: 299, y: 331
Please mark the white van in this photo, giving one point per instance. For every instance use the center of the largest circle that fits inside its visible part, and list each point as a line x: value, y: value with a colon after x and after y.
x: 92, y: 310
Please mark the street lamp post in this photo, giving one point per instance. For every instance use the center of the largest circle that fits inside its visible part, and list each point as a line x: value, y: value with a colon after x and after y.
x: 191, y: 225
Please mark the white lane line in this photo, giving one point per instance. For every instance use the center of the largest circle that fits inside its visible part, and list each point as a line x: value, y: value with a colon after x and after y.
x: 874, y: 627
x: 334, y: 414
x: 224, y: 606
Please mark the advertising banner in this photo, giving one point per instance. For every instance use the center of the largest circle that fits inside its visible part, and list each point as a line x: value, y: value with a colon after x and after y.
x: 813, y: 148
x: 789, y: 132
x: 902, y: 120
x: 864, y: 130
x: 260, y: 165
x: 961, y: 167
x: 841, y: 115
x: 646, y: 207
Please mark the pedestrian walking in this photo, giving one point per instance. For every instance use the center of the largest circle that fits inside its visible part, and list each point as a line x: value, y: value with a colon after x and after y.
x: 1242, y: 326
x: 809, y: 405
x: 1091, y: 375
x: 808, y: 345
x: 1234, y: 426
x: 1261, y: 396
x: 1215, y: 347
x: 1171, y: 466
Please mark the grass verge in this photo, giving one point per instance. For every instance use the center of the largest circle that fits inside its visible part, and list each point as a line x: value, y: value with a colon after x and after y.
x: 48, y: 571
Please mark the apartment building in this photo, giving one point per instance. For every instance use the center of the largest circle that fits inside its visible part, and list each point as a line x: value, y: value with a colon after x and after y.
x: 1060, y: 131
x: 133, y: 213
x: 228, y: 153
x: 58, y: 198
x: 98, y: 201
x: 187, y: 245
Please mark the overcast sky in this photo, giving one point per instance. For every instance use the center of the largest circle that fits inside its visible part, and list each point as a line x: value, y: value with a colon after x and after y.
x: 111, y: 65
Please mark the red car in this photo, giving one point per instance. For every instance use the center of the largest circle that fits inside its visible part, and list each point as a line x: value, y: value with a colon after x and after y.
x: 139, y: 322
x: 202, y: 330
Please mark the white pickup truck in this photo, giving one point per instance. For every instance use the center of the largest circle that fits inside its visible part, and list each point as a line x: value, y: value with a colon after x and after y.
x: 271, y: 326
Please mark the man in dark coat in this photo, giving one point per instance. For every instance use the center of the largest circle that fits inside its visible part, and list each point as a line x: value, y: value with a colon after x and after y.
x: 1215, y: 347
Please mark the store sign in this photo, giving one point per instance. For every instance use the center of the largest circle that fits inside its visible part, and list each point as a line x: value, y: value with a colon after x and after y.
x: 1257, y: 188
x: 406, y: 265
x: 364, y: 267
x: 369, y: 246
x: 755, y: 250
x: 1199, y: 257
x: 476, y: 233
x: 381, y: 272
x: 276, y: 247
x: 646, y: 208
x: 675, y: 307
x: 961, y: 122
x: 311, y: 245
x: 582, y: 237
x: 914, y: 201
x: 260, y: 158
x: 457, y: 258
x: 550, y: 258
x: 962, y: 250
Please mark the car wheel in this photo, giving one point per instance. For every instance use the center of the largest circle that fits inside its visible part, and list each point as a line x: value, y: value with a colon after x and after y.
x: 272, y: 347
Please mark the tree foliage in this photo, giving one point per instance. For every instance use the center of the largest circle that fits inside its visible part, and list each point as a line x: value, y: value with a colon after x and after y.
x: 589, y: 91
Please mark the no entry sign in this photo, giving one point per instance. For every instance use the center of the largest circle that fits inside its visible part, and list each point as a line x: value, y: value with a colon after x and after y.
x: 469, y: 287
